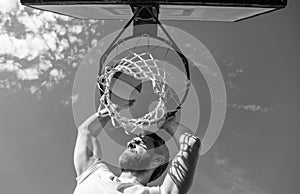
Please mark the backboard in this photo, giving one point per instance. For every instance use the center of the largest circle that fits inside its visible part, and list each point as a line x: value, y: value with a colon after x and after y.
x: 207, y: 10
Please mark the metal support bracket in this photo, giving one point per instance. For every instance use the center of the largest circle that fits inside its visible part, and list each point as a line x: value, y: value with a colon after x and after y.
x: 145, y: 21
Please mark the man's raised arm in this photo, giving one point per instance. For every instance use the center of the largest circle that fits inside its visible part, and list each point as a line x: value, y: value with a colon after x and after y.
x: 87, y: 148
x: 181, y: 173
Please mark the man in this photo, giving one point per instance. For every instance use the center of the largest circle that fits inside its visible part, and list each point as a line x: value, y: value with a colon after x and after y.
x: 144, y: 160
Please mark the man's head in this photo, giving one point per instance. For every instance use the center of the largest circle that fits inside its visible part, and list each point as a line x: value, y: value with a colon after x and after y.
x: 144, y: 153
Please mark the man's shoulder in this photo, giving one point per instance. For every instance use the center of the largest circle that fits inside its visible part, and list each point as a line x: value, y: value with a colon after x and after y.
x: 97, y: 166
x: 142, y: 189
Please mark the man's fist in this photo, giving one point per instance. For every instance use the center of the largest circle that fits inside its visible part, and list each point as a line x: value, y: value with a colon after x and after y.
x: 102, y: 111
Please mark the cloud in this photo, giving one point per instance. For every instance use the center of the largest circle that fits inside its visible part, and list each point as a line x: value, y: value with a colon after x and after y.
x: 29, y: 47
x: 76, y: 29
x: 23, y: 74
x: 73, y: 99
x: 235, y: 73
x: 29, y: 51
x: 37, y: 38
x: 8, y: 5
x: 205, y: 69
x: 249, y: 107
x: 28, y: 74
x: 57, y: 74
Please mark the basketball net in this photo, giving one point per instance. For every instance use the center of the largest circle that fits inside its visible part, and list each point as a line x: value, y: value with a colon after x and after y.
x: 142, y: 67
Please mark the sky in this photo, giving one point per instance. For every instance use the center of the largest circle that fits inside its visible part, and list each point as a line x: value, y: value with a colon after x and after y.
x: 256, y: 152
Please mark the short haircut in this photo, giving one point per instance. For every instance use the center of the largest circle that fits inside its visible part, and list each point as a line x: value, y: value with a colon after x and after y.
x: 161, y: 149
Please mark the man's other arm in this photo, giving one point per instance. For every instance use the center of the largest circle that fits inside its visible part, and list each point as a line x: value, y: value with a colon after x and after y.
x: 182, y: 169
x: 87, y: 148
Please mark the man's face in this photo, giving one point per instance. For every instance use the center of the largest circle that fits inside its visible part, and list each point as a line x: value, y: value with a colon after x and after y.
x: 138, y: 154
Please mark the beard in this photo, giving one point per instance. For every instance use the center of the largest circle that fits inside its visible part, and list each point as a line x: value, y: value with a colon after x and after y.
x: 130, y: 160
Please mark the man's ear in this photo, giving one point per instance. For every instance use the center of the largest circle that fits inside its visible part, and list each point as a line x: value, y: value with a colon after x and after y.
x: 158, y: 160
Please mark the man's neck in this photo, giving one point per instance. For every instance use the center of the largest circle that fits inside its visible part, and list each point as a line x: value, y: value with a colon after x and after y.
x: 134, y: 177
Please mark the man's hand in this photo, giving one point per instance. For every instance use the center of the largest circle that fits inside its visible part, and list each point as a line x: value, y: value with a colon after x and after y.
x: 96, y: 122
x: 102, y: 111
